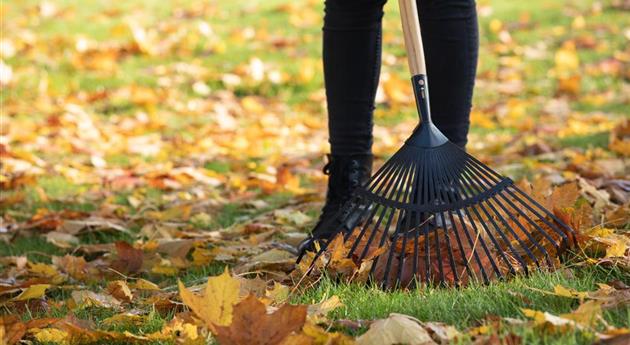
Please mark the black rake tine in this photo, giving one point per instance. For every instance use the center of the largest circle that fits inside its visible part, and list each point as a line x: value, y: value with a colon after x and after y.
x: 450, y: 213
x: 392, y: 249
x: 376, y: 179
x: 387, y: 181
x: 401, y: 255
x: 387, y: 190
x: 534, y: 241
x: 457, y: 185
x: 382, y: 241
x: 393, y: 241
x: 542, y: 218
x: 388, y: 265
x: 425, y: 200
x: 410, y: 183
x: 451, y: 260
x: 485, y: 226
x: 364, y: 228
x: 507, y: 226
x: 457, y: 178
x: 529, y: 198
x: 517, y: 256
x: 416, y: 219
x: 496, y: 175
x: 375, y: 229
x: 440, y: 189
x: 551, y: 215
x: 372, y: 234
x: 527, y: 232
x: 387, y: 184
x: 322, y: 249
x: 433, y: 198
x: 529, y: 219
x: 414, y: 196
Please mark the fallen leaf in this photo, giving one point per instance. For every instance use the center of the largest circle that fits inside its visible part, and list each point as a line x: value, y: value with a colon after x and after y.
x: 312, y: 334
x: 441, y: 332
x: 215, y: 306
x: 34, y: 291
x: 143, y: 284
x: 51, y: 336
x: 560, y: 290
x: 12, y: 329
x: 86, y: 298
x: 587, y: 314
x: 120, y: 290
x: 324, y: 307
x: 252, y: 325
x: 555, y: 322
x: 396, y: 329
x: 129, y: 258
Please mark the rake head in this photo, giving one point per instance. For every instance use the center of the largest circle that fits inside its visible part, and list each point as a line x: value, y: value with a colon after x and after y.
x: 435, y: 214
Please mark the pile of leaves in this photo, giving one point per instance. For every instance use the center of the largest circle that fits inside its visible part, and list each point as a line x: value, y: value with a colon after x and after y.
x: 354, y: 257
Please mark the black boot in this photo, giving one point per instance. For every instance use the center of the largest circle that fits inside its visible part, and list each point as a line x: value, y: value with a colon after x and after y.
x: 345, y: 174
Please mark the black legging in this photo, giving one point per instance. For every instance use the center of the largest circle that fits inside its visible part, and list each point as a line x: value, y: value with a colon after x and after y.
x: 352, y: 61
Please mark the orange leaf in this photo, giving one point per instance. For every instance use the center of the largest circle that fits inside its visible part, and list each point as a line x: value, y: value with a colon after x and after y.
x: 11, y: 329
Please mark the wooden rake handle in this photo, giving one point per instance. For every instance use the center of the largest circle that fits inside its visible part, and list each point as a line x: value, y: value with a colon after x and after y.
x: 413, y: 38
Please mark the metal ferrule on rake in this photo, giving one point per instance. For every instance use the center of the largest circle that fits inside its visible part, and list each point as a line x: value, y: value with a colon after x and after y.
x: 433, y: 214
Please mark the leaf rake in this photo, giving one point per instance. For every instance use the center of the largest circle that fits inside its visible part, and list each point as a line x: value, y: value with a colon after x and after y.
x: 435, y: 214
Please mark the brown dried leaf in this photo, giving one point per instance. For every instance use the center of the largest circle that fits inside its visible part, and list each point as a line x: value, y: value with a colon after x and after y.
x: 252, y: 325
x: 396, y: 329
x: 12, y: 329
x: 120, y: 290
x: 129, y: 259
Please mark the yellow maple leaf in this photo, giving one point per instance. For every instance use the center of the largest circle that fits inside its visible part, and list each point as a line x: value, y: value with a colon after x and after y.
x: 32, y: 292
x: 51, y: 335
x: 47, y: 271
x: 202, y: 256
x: 560, y: 290
x: 547, y: 319
x: 43, y: 270
x: 215, y: 306
x: 143, y: 284
x: 165, y: 267
x: 587, y: 314
x: 313, y: 334
x: 616, y: 249
x: 279, y: 293
x: 566, y: 59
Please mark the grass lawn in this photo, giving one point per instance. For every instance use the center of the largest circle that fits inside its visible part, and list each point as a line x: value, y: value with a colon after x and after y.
x: 102, y: 109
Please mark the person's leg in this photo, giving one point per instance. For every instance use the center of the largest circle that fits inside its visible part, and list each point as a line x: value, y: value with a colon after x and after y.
x: 451, y: 43
x: 352, y: 61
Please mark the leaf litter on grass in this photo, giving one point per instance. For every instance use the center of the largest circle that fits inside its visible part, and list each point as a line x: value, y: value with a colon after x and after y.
x: 142, y: 162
